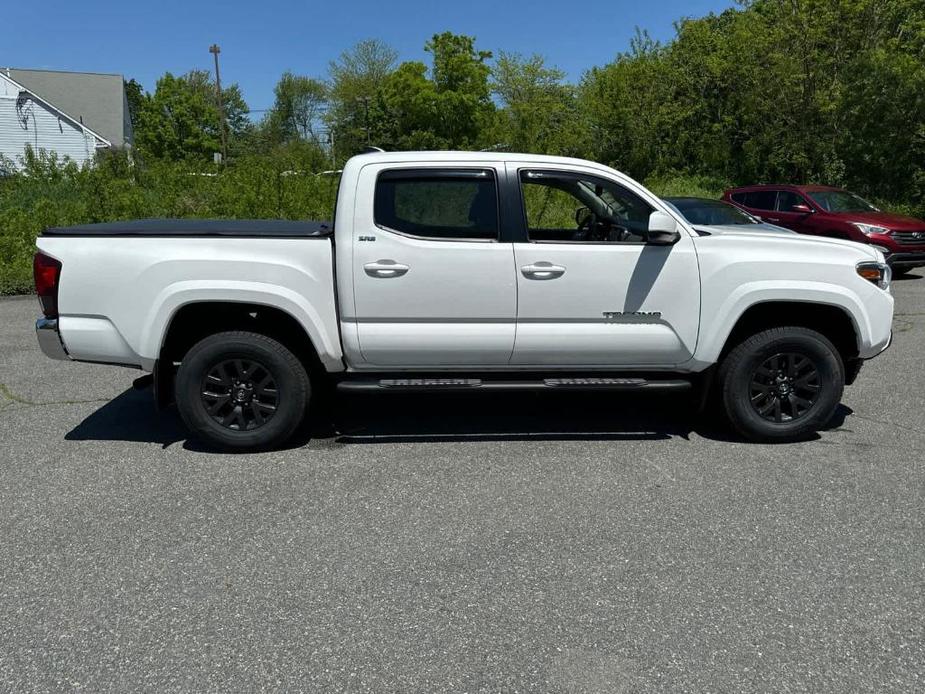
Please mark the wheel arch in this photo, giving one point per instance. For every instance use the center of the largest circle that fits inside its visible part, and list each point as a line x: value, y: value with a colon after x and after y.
x: 196, y: 320
x: 831, y: 320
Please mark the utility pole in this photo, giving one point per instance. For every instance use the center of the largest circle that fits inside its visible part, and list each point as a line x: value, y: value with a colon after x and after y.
x: 215, y: 50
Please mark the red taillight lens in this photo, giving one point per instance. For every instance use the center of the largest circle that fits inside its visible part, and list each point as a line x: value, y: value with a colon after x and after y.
x: 47, y: 272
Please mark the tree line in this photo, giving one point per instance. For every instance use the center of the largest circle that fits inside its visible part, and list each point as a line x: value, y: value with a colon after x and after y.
x: 829, y: 91
x: 825, y: 91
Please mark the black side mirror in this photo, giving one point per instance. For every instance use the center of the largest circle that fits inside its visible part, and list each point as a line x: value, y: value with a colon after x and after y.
x: 662, y: 238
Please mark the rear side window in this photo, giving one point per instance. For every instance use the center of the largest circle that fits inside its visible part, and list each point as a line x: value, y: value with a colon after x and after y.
x: 438, y: 204
x: 756, y: 199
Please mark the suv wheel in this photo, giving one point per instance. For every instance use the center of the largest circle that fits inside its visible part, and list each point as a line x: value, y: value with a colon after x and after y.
x: 242, y: 391
x: 782, y: 384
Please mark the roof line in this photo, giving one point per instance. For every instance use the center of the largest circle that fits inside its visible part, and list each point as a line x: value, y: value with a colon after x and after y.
x: 64, y: 72
x: 6, y: 76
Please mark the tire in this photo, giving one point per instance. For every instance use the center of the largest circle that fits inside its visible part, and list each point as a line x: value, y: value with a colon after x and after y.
x: 766, y: 400
x: 242, y: 391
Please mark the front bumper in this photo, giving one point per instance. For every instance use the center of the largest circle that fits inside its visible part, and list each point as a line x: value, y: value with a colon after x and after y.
x: 49, y: 337
x: 906, y: 259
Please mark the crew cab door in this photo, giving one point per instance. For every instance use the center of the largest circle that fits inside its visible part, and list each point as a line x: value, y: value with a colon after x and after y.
x: 591, y: 292
x: 433, y: 283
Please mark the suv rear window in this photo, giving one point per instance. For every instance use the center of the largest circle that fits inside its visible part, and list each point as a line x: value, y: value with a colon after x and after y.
x: 438, y: 204
x: 756, y: 199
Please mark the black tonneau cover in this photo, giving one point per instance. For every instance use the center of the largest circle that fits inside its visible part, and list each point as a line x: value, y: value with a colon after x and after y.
x: 264, y: 228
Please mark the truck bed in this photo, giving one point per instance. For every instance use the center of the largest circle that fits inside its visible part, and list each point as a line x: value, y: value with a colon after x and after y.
x: 252, y: 228
x: 122, y: 283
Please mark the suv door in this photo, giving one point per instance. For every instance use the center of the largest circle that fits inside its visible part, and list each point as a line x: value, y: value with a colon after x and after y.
x: 786, y: 216
x: 433, y: 284
x: 590, y: 291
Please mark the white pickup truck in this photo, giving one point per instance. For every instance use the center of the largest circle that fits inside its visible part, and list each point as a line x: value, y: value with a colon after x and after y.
x: 466, y: 271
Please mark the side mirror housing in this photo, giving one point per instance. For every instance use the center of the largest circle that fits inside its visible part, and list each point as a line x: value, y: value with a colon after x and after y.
x: 801, y: 208
x: 582, y: 214
x: 663, y: 230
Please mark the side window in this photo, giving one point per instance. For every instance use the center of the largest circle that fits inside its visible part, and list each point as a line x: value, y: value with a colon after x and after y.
x: 760, y: 199
x: 787, y: 199
x: 438, y: 204
x: 564, y: 206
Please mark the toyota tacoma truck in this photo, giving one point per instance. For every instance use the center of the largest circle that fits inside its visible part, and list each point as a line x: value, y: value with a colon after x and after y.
x: 459, y: 271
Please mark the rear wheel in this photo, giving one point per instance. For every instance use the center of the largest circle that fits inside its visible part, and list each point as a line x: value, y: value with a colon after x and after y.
x: 782, y: 384
x: 242, y: 391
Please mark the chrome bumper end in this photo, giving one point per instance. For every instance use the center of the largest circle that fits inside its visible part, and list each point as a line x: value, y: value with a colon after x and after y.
x: 46, y: 330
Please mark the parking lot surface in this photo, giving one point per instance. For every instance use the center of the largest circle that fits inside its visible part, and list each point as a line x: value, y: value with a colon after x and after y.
x: 474, y: 544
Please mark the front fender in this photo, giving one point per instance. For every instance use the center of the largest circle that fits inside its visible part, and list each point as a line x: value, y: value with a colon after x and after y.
x: 719, y: 323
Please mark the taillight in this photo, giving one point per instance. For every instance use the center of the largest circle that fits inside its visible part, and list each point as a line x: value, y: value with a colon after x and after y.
x: 47, y: 272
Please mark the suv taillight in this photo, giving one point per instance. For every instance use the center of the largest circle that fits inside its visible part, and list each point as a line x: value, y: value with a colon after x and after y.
x: 47, y: 273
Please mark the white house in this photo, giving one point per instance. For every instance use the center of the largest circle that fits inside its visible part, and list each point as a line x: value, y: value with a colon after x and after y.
x: 70, y: 114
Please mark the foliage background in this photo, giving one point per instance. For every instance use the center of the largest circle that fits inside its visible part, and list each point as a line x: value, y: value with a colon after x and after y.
x: 826, y: 91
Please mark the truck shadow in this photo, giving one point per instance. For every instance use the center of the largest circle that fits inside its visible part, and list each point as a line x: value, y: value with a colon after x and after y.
x: 443, y: 418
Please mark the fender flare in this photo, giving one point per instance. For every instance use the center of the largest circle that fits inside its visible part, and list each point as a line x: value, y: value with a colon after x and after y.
x: 752, y: 294
x: 175, y: 296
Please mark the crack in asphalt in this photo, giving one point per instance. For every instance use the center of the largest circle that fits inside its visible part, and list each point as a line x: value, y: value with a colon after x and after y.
x: 13, y: 398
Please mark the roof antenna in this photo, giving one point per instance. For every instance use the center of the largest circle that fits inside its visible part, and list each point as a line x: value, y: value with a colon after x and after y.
x: 369, y: 149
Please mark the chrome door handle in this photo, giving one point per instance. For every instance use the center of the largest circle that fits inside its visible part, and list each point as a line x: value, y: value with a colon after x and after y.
x: 542, y: 271
x: 385, y: 268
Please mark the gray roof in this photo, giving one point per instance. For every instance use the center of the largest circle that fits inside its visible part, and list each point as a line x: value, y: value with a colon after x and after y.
x: 97, y: 100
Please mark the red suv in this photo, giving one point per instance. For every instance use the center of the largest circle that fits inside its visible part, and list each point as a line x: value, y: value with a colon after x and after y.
x: 827, y: 211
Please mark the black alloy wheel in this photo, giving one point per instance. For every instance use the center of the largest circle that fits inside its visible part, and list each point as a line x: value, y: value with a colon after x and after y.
x: 785, y: 387
x: 240, y: 394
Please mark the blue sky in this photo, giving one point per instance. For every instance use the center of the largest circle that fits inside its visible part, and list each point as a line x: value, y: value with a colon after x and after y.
x: 260, y: 40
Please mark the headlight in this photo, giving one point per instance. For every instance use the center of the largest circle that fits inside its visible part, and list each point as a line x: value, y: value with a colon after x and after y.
x: 868, y: 229
x: 878, y: 273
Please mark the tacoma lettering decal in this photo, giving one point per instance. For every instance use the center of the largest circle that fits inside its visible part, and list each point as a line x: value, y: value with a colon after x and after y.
x: 643, y: 315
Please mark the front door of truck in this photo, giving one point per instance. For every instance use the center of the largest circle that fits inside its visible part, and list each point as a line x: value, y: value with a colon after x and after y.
x: 433, y: 281
x: 591, y: 292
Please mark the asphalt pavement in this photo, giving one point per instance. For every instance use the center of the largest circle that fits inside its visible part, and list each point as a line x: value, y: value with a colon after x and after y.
x: 516, y: 543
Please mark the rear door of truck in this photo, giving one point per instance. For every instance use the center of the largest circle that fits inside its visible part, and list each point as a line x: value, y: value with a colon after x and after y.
x: 434, y: 279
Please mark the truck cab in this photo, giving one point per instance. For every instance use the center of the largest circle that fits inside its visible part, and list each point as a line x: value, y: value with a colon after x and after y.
x: 483, y: 263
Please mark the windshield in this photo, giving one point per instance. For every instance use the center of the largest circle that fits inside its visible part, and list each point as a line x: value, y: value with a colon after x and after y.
x: 710, y: 212
x: 840, y: 201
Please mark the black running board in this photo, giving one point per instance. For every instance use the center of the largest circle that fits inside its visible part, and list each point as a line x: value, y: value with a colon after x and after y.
x: 406, y: 385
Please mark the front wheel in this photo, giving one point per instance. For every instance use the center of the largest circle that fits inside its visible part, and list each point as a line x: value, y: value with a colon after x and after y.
x: 782, y: 384
x: 242, y: 391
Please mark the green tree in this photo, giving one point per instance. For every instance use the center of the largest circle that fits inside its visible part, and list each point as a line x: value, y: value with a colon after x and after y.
x: 446, y: 107
x: 180, y: 120
x: 297, y: 108
x: 135, y: 96
x: 540, y: 113
x: 356, y: 79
